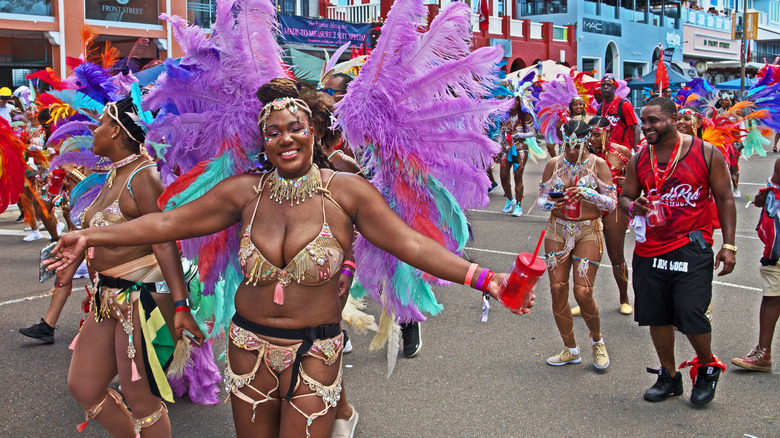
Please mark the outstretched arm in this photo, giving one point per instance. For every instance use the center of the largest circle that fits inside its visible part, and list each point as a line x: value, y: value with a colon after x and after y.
x: 215, y: 211
x: 381, y: 226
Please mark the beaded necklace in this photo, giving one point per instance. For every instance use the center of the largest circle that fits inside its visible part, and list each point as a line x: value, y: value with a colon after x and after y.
x: 295, y: 190
x: 117, y: 165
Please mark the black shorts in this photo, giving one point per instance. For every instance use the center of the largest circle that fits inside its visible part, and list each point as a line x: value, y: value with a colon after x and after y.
x: 674, y: 288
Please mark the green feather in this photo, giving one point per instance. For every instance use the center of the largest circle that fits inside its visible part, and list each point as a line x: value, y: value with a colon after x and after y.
x: 451, y: 216
x: 411, y: 288
x: 76, y: 142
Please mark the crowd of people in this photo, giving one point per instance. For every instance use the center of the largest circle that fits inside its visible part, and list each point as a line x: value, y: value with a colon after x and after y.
x: 261, y: 214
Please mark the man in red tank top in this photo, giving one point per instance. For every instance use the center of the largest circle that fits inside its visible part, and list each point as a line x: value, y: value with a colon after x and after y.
x: 667, y: 186
x: 621, y: 115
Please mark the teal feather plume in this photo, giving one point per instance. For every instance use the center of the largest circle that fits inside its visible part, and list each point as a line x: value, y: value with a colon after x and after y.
x: 413, y: 289
x: 76, y: 142
x: 450, y: 213
x: 79, y: 102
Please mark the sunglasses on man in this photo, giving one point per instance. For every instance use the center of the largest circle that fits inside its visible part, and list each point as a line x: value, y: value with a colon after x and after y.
x: 333, y: 91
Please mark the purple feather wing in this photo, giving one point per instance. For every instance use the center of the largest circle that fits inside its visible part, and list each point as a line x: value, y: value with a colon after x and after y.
x: 210, y: 98
x: 208, y: 109
x: 419, y: 106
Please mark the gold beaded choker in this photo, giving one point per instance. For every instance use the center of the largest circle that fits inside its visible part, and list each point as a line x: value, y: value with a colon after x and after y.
x: 295, y: 190
x: 117, y: 165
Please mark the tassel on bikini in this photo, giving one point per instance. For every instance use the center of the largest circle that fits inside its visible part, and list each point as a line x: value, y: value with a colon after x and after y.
x: 279, y: 293
x: 135, y: 375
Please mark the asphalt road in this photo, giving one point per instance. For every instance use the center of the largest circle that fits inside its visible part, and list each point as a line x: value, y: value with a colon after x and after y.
x: 471, y: 379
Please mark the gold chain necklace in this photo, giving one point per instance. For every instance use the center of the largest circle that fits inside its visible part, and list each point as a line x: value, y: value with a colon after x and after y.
x: 295, y: 190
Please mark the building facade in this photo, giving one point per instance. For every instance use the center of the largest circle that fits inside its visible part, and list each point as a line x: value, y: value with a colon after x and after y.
x: 624, y: 37
x: 525, y: 41
x: 35, y: 34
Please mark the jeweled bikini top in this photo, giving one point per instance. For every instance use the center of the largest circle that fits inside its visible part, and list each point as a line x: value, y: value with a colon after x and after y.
x: 112, y: 214
x: 316, y: 263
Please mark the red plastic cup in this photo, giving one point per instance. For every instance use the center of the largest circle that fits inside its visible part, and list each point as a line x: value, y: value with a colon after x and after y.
x: 520, y: 285
x: 55, y: 182
x: 572, y: 210
x: 658, y: 214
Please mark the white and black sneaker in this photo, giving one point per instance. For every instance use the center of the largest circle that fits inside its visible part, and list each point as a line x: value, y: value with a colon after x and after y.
x: 347, y: 343
x: 410, y: 332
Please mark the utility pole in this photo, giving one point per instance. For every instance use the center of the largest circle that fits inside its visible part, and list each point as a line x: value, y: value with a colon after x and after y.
x: 743, y: 51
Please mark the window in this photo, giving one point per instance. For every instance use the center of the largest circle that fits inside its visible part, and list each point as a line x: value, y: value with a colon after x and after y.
x: 202, y: 12
x: 26, y: 7
x: 542, y: 7
x: 589, y: 64
x: 19, y: 75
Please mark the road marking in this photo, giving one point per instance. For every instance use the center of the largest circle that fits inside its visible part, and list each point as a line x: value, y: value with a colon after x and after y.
x: 30, y: 298
x: 4, y: 232
x: 738, y: 286
x: 602, y: 265
x: 507, y: 214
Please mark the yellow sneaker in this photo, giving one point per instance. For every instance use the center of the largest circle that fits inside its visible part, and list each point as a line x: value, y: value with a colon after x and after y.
x: 600, y: 356
x: 564, y: 357
x: 626, y: 309
x: 575, y: 311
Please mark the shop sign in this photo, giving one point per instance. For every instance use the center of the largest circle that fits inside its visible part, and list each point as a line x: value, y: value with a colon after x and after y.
x: 29, y: 52
x: 673, y: 40
x: 323, y: 33
x: 126, y: 11
x: 601, y: 27
x: 712, y: 44
x: 668, y: 54
x: 750, y: 27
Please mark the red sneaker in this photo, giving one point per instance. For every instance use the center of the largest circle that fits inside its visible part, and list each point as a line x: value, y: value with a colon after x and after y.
x: 757, y: 360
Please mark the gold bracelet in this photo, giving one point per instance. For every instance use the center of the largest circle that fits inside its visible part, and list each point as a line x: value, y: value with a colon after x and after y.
x: 729, y: 247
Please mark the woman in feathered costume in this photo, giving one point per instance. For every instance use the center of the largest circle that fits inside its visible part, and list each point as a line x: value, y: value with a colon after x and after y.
x: 615, y: 222
x: 304, y: 292
x: 130, y: 313
x: 285, y: 336
x: 574, y: 242
x: 514, y: 135
x: 561, y: 100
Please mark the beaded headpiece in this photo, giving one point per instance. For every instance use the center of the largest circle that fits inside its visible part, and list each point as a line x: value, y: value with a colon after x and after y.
x: 610, y: 79
x: 573, y: 141
x: 576, y: 99
x: 288, y: 103
x: 688, y: 110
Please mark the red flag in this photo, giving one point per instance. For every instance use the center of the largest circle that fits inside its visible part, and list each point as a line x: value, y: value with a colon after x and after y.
x: 484, y: 15
x: 661, y: 76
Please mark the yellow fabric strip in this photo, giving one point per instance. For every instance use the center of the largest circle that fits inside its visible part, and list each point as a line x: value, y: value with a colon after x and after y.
x: 149, y: 328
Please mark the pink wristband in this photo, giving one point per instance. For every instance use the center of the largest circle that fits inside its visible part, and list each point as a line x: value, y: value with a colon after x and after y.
x: 350, y: 264
x: 470, y: 274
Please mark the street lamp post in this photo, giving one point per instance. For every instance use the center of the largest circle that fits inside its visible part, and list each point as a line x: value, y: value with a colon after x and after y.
x: 742, y: 51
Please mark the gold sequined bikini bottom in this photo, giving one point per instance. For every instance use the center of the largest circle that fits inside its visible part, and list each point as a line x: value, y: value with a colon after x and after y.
x: 278, y: 358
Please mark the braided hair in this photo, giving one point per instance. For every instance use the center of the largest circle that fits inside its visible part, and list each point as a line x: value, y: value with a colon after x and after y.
x: 137, y: 134
x: 576, y: 127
